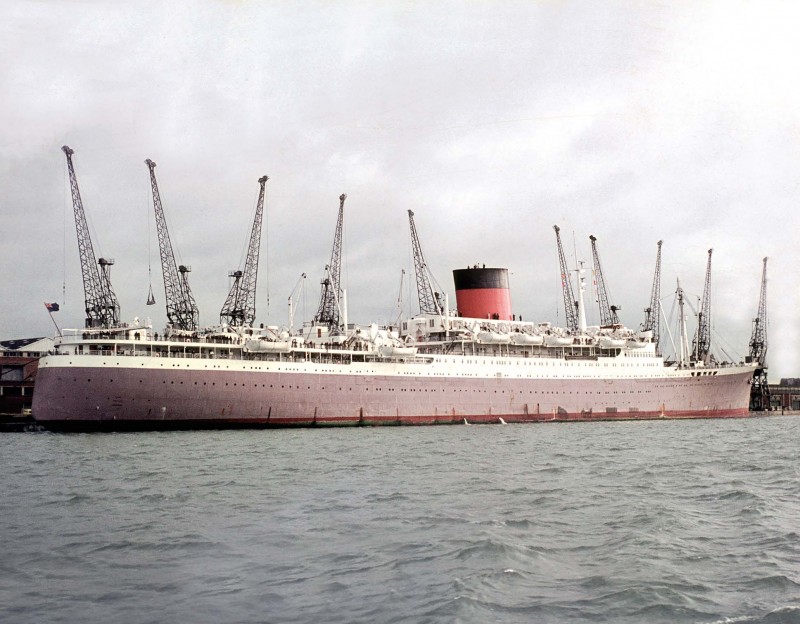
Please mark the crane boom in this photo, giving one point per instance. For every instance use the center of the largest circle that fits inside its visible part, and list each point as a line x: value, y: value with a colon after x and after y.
x: 608, y: 312
x: 570, y: 303
x: 102, y: 307
x: 759, y: 391
x: 428, y: 298
x: 758, y: 339
x: 652, y: 316
x: 182, y: 310
x: 239, y: 309
x: 701, y: 346
x: 328, y: 312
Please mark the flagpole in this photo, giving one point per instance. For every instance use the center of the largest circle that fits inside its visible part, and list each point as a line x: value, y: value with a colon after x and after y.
x: 54, y: 323
x: 50, y: 312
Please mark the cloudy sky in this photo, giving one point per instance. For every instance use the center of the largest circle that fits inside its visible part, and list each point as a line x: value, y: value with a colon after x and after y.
x: 492, y: 121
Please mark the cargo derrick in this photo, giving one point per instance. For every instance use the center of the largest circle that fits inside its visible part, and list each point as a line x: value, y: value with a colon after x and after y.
x: 239, y: 309
x: 759, y: 391
x: 652, y: 316
x: 570, y: 303
x: 182, y: 310
x: 331, y: 296
x: 608, y: 313
x: 429, y: 299
x: 102, y: 308
x: 701, y: 346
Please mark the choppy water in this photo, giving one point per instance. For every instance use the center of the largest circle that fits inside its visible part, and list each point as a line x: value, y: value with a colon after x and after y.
x: 694, y: 521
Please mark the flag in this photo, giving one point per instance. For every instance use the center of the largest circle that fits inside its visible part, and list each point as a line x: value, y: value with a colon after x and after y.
x: 51, y: 307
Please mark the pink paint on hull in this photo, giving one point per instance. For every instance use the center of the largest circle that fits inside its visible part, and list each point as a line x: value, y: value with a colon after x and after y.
x: 146, y: 398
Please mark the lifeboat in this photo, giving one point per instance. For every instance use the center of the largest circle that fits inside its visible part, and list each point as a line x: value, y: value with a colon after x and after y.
x: 519, y: 338
x: 608, y: 342
x: 554, y: 340
x: 259, y: 345
x: 396, y: 351
x: 490, y: 337
x: 635, y: 344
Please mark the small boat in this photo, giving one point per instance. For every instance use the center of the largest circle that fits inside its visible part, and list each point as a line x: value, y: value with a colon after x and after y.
x: 490, y: 337
x: 396, y: 351
x: 259, y: 345
x: 518, y: 338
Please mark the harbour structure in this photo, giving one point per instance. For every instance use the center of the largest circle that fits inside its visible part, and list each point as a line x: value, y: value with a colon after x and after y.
x: 239, y: 309
x: 760, y: 392
x: 19, y: 361
x: 182, y: 312
x: 102, y: 307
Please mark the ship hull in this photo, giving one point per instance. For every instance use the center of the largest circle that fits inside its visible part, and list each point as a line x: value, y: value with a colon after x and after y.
x: 117, y: 394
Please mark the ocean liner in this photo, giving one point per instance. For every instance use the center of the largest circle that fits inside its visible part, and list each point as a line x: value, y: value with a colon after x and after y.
x: 475, y: 363
x: 430, y: 369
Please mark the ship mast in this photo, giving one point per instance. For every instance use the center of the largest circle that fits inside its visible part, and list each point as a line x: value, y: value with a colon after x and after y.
x: 331, y: 295
x: 239, y: 309
x: 429, y: 300
x: 182, y: 310
x: 701, y: 346
x: 102, y: 308
x: 759, y: 391
x: 652, y: 316
x: 570, y: 303
x: 683, y: 334
x: 608, y: 312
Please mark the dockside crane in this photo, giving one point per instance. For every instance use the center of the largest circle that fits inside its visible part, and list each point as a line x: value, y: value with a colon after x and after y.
x: 329, y: 313
x: 182, y: 310
x: 759, y: 390
x: 570, y: 303
x: 239, y: 309
x: 608, y: 312
x: 652, y: 314
x: 102, y: 307
x: 429, y: 299
x: 701, y: 345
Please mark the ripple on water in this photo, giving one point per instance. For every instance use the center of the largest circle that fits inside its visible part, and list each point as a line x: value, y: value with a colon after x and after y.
x: 599, y: 522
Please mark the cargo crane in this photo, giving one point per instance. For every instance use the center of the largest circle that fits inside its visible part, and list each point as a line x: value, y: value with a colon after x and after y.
x: 652, y: 315
x: 239, y: 309
x: 759, y: 391
x: 570, y: 303
x: 102, y: 308
x: 331, y: 296
x: 701, y: 345
x: 608, y: 312
x: 182, y: 310
x: 429, y: 299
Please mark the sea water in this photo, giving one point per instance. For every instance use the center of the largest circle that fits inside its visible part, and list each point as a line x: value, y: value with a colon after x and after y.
x: 660, y: 521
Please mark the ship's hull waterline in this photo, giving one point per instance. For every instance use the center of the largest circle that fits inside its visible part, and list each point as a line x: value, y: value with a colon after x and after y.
x: 127, y: 393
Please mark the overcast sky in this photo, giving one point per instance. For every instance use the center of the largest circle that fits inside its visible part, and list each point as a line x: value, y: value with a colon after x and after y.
x: 492, y: 121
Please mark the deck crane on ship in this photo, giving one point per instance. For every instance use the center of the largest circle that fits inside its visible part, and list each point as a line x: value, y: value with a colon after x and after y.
x: 701, y: 345
x: 239, y: 309
x: 652, y: 317
x: 608, y: 312
x: 182, y: 312
x: 330, y: 301
x: 102, y: 307
x: 759, y: 391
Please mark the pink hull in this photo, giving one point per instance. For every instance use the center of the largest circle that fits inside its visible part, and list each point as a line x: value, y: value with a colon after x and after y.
x: 127, y: 398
